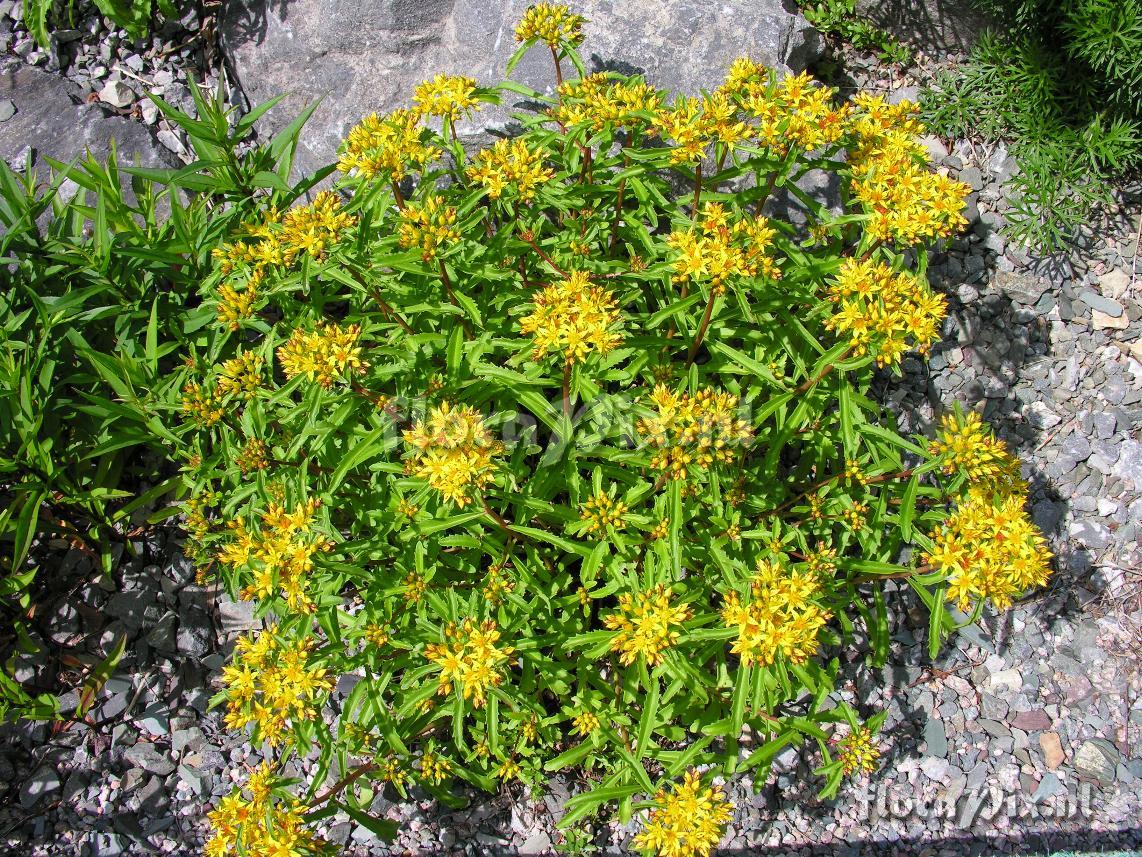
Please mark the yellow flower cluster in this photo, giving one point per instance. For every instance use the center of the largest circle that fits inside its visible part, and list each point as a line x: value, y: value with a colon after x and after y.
x: 585, y: 723
x: 602, y: 511
x: 415, y: 585
x: 313, y: 228
x: 857, y: 752
x: 509, y: 769
x: 906, y: 201
x: 324, y: 354
x: 447, y: 96
x: 269, y: 683
x: 573, y: 317
x: 391, y: 771
x: 377, y: 634
x: 235, y: 306
x: 453, y: 451
x: 510, y: 165
x: 794, y: 111
x: 497, y: 585
x: 262, y: 250
x: 990, y: 549
x: 434, y: 768
x: 427, y: 225
x: 252, y: 456
x: 695, y: 431
x: 692, y: 124
x: 241, y: 375
x: 884, y: 312
x: 686, y: 821
x: 646, y: 624
x: 258, y: 824
x: 201, y: 405
x: 781, y: 616
x: 597, y: 101
x: 279, y: 555
x: 389, y: 146
x: 550, y: 23
x: 723, y: 247
x: 821, y: 560
x: 470, y: 657
x: 966, y: 445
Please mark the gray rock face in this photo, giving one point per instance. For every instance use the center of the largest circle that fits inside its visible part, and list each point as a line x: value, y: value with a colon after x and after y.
x: 368, y: 55
x: 50, y: 118
x: 937, y: 26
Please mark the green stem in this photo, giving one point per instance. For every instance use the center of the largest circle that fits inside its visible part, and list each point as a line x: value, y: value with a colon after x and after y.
x: 701, y: 334
x: 567, y: 391
x: 812, y: 382
x: 558, y: 68
x: 697, y: 188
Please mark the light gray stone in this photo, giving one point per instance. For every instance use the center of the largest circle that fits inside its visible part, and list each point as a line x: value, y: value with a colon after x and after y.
x: 1020, y: 287
x: 368, y: 55
x: 1091, y: 534
x: 935, y: 737
x: 1105, y: 305
x: 1048, y: 787
x: 1097, y: 759
x: 42, y: 784
x: 1114, y: 283
x: 1129, y: 466
x: 237, y: 615
x: 1040, y: 415
x: 147, y: 757
x: 117, y: 94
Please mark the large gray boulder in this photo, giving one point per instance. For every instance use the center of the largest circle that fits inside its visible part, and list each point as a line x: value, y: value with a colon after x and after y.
x: 368, y: 55
x: 46, y: 114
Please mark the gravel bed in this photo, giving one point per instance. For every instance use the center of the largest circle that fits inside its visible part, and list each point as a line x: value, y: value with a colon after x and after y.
x: 1026, y: 734
x: 117, y: 71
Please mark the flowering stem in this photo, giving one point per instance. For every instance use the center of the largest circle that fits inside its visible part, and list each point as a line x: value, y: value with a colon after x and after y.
x: 618, y: 207
x: 769, y: 186
x: 821, y: 483
x: 530, y: 239
x: 558, y: 68
x: 447, y: 284
x: 701, y: 334
x: 812, y: 382
x: 907, y: 572
x: 387, y: 309
x: 697, y: 188
x: 343, y: 783
x: 876, y: 245
x: 495, y: 516
x: 381, y: 302
x: 567, y: 391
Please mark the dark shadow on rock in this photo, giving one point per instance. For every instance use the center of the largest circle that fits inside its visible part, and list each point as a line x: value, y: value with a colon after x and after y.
x: 247, y: 20
x: 937, y: 26
x: 599, y: 64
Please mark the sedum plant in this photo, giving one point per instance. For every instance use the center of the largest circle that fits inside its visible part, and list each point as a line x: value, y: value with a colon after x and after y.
x: 559, y: 455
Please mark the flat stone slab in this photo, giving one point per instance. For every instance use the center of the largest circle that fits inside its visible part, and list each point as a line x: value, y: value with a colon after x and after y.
x: 367, y: 56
